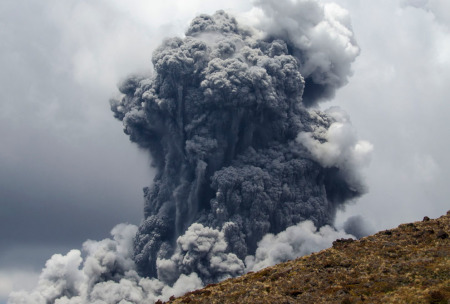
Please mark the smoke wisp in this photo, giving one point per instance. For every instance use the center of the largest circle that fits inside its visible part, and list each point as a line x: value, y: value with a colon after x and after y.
x: 249, y: 171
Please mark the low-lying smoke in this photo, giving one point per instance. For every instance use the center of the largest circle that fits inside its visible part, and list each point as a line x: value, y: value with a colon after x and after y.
x: 107, y: 274
x: 247, y: 165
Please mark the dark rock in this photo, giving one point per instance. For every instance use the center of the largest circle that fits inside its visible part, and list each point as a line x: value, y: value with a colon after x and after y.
x: 341, y: 292
x: 340, y: 242
x: 419, y: 234
x: 442, y: 234
x: 389, y: 244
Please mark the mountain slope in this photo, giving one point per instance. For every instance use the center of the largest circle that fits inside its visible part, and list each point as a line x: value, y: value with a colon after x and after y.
x: 408, y: 264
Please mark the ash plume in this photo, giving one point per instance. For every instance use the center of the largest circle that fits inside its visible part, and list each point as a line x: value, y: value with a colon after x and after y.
x: 236, y: 146
x: 249, y: 171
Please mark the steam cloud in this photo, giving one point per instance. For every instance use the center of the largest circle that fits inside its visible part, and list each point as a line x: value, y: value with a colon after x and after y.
x: 107, y: 275
x: 247, y: 166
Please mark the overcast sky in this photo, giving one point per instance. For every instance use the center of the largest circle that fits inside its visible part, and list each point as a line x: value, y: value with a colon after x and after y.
x: 68, y: 173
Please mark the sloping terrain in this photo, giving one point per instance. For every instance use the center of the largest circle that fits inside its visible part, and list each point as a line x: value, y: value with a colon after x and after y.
x: 408, y: 264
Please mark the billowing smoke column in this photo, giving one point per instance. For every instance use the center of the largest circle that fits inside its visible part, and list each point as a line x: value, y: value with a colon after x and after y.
x: 235, y: 145
x: 319, y: 36
x: 247, y: 165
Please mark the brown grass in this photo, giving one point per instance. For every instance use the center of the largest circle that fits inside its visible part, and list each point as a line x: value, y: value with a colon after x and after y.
x: 408, y: 264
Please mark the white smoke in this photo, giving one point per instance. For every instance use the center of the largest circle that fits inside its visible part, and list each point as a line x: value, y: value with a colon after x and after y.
x: 321, y: 36
x: 202, y: 250
x: 107, y: 274
x: 338, y: 146
x: 299, y: 240
x: 61, y: 276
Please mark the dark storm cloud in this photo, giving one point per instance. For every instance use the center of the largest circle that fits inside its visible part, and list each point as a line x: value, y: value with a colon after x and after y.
x: 55, y: 151
x: 43, y: 202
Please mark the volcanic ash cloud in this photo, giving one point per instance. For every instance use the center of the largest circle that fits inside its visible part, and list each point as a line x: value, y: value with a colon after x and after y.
x: 249, y: 171
x: 237, y: 149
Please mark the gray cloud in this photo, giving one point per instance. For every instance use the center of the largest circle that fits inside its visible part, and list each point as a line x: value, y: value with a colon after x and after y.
x: 403, y: 111
x: 58, y: 143
x: 357, y: 226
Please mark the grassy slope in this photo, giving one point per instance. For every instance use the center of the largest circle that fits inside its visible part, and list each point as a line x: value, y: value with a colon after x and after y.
x: 408, y: 264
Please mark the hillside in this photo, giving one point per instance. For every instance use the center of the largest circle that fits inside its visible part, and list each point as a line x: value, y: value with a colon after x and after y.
x: 408, y: 264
